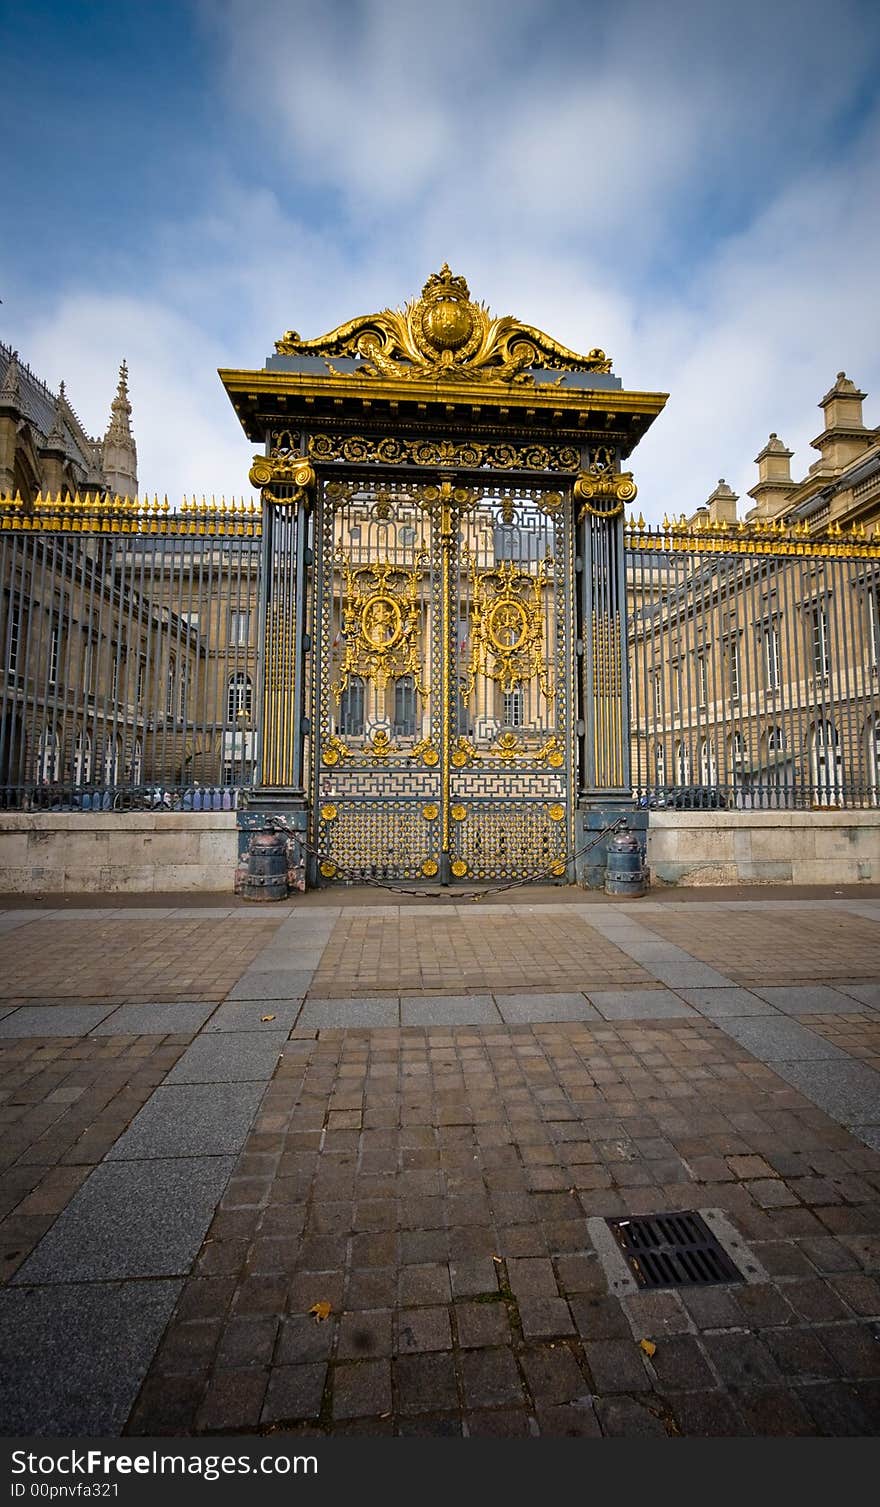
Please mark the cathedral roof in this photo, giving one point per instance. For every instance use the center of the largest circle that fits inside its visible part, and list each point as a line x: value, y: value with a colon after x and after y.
x: 47, y: 413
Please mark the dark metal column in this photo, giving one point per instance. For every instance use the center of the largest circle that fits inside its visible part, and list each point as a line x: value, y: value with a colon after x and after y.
x: 604, y: 778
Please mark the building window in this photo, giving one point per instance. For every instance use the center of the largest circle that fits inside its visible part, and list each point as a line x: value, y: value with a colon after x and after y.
x: 169, y: 691
x: 660, y: 765
x: 733, y: 668
x: 54, y: 650
x: 137, y: 762
x: 771, y: 656
x: 111, y: 761
x: 114, y: 676
x: 48, y: 756
x: 776, y: 747
x: 683, y: 764
x: 873, y: 731
x: 513, y: 711
x: 407, y: 537
x: 82, y: 761
x: 708, y: 767
x: 404, y: 707
x: 827, y: 764
x: 821, y: 659
x: 874, y: 625
x: 239, y: 628
x: 184, y: 690
x: 141, y: 680
x: 351, y: 708
x: 658, y: 696
x: 239, y: 696
x: 703, y: 679
x: 13, y: 640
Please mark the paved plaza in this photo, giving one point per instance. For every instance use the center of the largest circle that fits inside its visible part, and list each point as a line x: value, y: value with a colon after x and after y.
x: 421, y: 1112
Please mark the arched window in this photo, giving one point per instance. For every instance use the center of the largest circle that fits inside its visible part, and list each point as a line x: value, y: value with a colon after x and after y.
x: 405, y: 707
x: 826, y: 764
x: 169, y: 690
x: 708, y: 765
x: 111, y: 761
x: 239, y: 696
x: 776, y: 761
x: 48, y: 755
x: 137, y: 762
x: 82, y: 759
x: 660, y: 765
x: 351, y: 708
x: 512, y: 708
x: 873, y: 736
x: 683, y: 764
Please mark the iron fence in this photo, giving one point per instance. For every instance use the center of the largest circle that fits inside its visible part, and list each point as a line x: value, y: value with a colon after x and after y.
x: 753, y: 670
x: 129, y: 651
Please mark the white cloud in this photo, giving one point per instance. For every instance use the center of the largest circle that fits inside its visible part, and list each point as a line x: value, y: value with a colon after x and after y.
x: 677, y: 184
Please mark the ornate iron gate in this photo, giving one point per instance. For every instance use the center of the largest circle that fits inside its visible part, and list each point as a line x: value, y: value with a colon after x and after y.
x: 442, y: 684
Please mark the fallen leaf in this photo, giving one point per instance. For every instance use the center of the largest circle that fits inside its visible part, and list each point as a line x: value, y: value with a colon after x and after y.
x: 267, y: 1017
x: 649, y: 1347
x: 321, y: 1311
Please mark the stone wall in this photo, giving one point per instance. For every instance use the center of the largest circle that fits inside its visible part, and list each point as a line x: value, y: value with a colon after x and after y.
x: 115, y: 852
x: 764, y: 847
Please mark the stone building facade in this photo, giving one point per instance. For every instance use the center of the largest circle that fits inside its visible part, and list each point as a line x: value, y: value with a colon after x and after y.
x: 44, y: 448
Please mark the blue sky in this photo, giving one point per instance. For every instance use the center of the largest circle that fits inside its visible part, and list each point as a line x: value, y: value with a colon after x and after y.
x: 695, y: 187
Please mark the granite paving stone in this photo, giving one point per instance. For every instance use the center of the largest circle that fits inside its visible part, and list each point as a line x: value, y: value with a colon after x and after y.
x: 516, y: 1008
x: 803, y: 999
x: 229, y: 1057
x: 72, y: 1358
x: 866, y: 994
x: 131, y: 1219
x: 716, y: 1003
x: 360, y: 1014
x: 175, y: 1018
x: 774, y: 1039
x: 55, y: 1020
x: 247, y: 1015
x: 847, y: 1090
x: 279, y: 983
x: 191, y: 1119
x: 638, y: 1004
x: 449, y: 1010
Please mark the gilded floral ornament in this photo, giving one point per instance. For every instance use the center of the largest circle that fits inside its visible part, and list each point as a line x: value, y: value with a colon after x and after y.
x: 444, y: 335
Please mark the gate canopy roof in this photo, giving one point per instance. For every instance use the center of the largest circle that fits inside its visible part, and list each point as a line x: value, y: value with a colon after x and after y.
x: 445, y: 358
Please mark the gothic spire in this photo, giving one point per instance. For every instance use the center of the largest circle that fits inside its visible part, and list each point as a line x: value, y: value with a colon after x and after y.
x: 119, y: 449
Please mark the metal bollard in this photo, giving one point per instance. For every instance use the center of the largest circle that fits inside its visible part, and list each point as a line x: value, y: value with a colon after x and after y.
x: 266, y: 877
x: 624, y: 871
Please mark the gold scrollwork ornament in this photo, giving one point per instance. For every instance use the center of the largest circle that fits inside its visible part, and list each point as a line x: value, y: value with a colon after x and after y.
x: 604, y: 493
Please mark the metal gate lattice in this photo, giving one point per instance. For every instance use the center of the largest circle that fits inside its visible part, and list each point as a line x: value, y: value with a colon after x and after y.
x: 441, y: 681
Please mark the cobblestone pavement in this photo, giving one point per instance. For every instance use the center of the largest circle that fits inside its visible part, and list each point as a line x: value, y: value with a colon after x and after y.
x: 422, y: 1116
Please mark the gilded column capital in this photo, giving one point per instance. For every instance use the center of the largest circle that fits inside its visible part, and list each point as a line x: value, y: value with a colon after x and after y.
x: 603, y: 493
x: 293, y: 473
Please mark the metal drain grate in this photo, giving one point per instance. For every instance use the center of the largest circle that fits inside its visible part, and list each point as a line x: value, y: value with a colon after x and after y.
x: 673, y: 1250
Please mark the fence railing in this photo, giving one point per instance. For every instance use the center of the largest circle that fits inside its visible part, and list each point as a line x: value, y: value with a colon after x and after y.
x: 129, y: 654
x: 129, y: 635
x: 753, y: 669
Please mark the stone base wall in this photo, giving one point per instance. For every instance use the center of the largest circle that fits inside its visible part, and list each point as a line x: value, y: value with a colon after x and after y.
x: 764, y: 847
x: 111, y: 853
x: 114, y: 853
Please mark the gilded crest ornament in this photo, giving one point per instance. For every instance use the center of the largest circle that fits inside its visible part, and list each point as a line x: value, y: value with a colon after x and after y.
x: 441, y: 335
x: 507, y: 635
x: 381, y: 625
